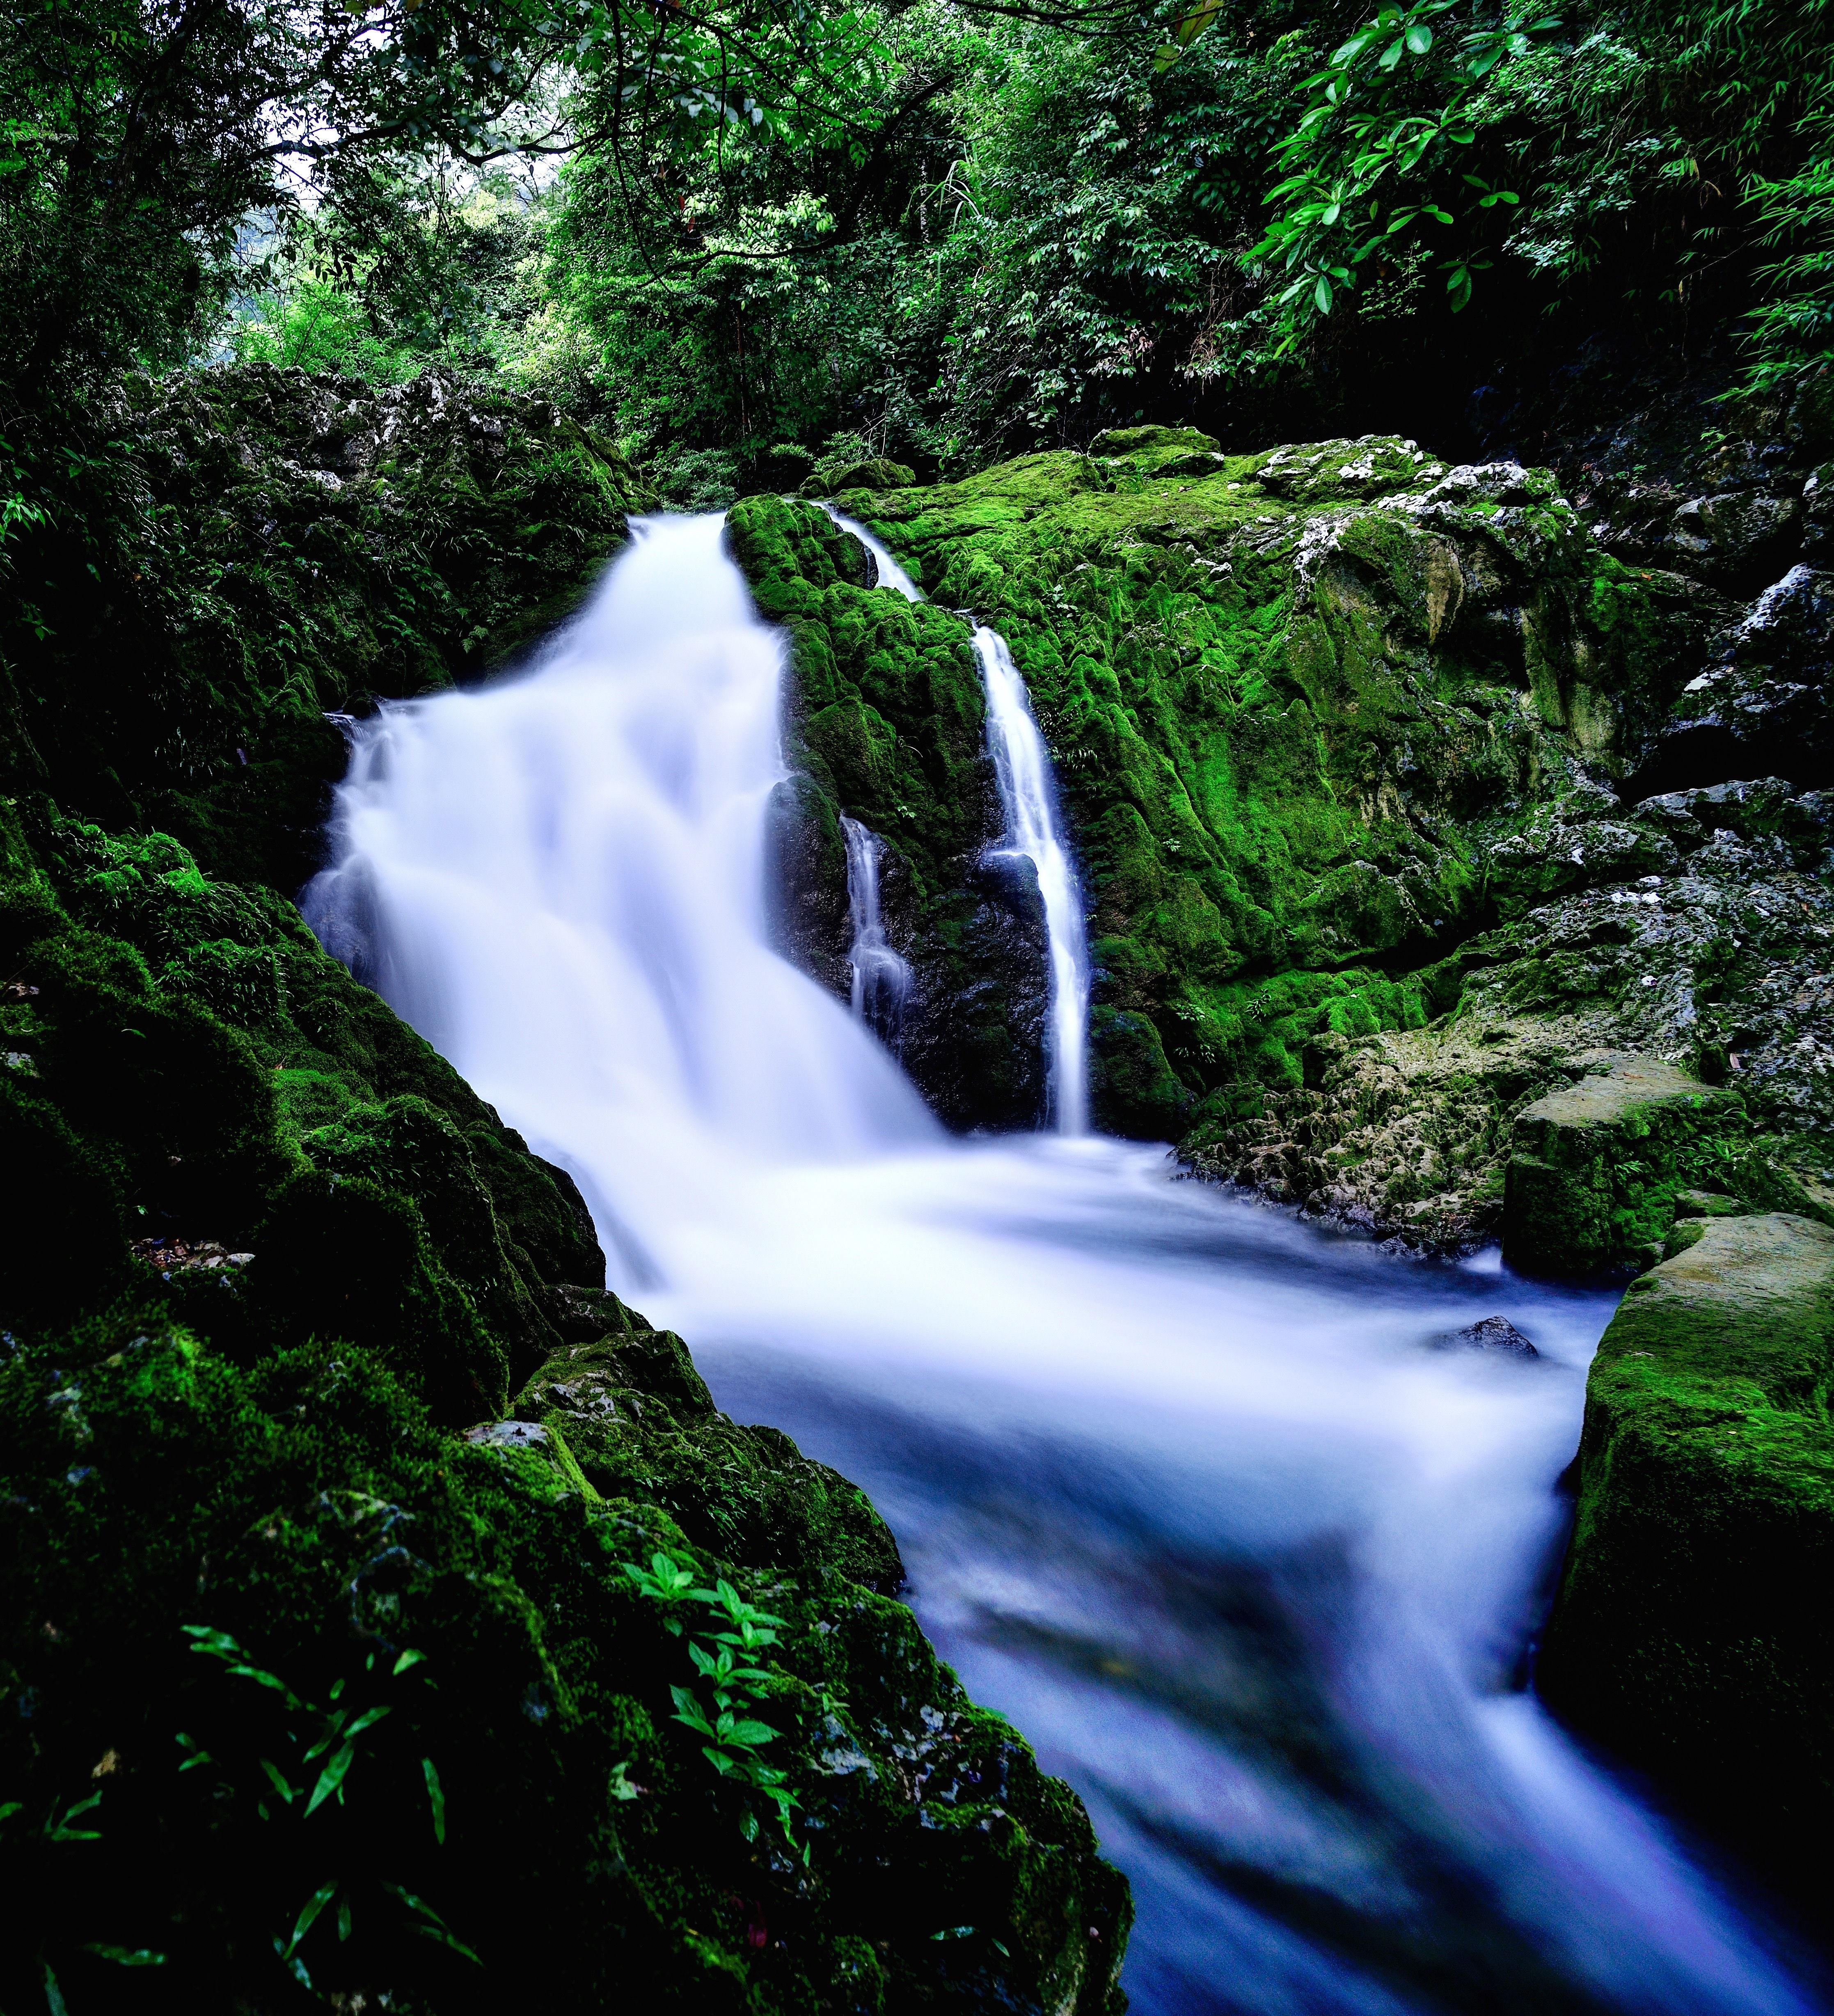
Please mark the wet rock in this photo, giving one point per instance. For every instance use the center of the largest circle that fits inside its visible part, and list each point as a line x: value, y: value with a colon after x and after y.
x: 509, y: 1434
x: 1495, y: 1333
x: 1764, y: 706
x: 1691, y: 1636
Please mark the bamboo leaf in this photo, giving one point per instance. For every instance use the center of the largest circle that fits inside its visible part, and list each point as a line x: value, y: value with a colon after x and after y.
x: 309, y: 1915
x: 436, y: 1798
x: 331, y: 1778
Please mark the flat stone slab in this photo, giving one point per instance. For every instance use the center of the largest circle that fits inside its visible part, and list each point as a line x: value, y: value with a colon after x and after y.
x: 1630, y: 1090
x: 1751, y: 1298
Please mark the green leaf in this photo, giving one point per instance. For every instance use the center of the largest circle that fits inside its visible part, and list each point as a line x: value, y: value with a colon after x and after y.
x: 1419, y: 39
x: 1392, y: 55
x: 128, y: 1956
x: 274, y: 1777
x: 751, y: 1733
x: 62, y: 1830
x: 53, y: 1994
x: 408, y: 1659
x: 436, y: 1927
x: 331, y: 1777
x: 1322, y: 295
x: 309, y: 1915
x: 436, y: 1798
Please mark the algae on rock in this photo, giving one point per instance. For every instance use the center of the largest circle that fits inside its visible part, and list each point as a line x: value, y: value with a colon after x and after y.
x: 1692, y: 1633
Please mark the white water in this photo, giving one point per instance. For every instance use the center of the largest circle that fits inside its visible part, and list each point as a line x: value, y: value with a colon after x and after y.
x: 889, y: 574
x: 1182, y: 1485
x: 1034, y: 829
x: 881, y: 979
x: 1028, y: 795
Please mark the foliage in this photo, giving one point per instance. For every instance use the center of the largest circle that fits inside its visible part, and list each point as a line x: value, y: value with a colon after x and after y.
x: 1372, y: 157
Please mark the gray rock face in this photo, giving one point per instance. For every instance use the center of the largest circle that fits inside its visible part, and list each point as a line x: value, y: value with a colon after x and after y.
x: 1738, y: 536
x: 1494, y: 1333
x: 1764, y: 705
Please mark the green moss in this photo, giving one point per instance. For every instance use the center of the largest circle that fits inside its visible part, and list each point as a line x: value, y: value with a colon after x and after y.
x: 1594, y: 1170
x: 306, y: 1506
x: 1689, y: 1637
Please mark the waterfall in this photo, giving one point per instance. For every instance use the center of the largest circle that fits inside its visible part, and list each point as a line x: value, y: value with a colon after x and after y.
x: 1028, y: 799
x: 881, y: 978
x: 888, y: 574
x: 1184, y: 1487
x: 1028, y: 796
x: 559, y: 879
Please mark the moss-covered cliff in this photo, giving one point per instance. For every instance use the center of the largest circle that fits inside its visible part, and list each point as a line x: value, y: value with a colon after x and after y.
x: 389, y: 1616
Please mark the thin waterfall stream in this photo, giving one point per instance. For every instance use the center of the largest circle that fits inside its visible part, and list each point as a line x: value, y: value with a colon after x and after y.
x: 1185, y: 1488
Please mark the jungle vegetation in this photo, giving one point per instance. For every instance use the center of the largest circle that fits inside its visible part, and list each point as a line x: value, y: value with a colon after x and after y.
x: 940, y: 230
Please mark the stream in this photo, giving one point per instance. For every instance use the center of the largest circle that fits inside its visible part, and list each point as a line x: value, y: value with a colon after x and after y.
x: 1193, y: 1493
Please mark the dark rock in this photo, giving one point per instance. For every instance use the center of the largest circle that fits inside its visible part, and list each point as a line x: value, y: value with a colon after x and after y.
x: 1492, y: 1334
x: 584, y: 1315
x: 1740, y: 537
x: 1764, y: 706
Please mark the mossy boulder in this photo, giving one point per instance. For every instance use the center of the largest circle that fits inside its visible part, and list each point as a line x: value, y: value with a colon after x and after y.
x: 214, y: 1568
x: 1594, y: 1168
x: 1692, y: 1635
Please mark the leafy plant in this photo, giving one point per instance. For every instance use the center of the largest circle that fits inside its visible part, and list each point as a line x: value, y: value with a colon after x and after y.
x: 728, y: 1662
x: 1371, y: 159
x: 319, y: 1747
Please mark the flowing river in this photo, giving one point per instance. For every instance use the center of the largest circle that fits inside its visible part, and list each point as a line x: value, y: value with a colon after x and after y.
x: 1184, y: 1488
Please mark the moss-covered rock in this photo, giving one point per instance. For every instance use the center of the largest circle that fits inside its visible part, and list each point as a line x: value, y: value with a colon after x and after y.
x: 1594, y: 1169
x: 1692, y: 1634
x: 232, y: 1590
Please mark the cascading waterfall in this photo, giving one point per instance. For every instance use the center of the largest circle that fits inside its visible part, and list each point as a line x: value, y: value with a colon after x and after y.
x: 881, y: 979
x: 888, y: 574
x: 1028, y: 799
x: 1028, y: 796
x: 1182, y: 1485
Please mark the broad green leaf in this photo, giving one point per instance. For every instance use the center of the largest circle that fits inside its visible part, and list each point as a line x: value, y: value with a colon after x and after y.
x: 1322, y: 295
x: 1419, y: 39
x: 1392, y: 55
x: 128, y: 1956
x: 408, y: 1659
x: 751, y: 1733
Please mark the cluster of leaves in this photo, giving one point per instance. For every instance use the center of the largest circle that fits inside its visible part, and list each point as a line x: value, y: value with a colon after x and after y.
x: 726, y: 1662
x: 318, y: 1747
x: 305, y: 1733
x: 1371, y: 158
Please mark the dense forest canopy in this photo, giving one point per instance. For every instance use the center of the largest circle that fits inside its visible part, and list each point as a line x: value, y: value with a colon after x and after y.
x: 937, y: 231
